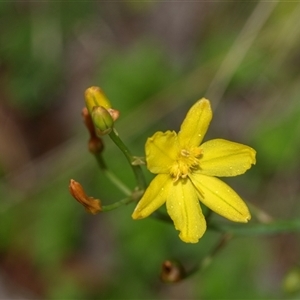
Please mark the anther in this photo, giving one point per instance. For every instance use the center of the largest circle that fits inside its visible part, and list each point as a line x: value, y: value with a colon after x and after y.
x: 185, y: 153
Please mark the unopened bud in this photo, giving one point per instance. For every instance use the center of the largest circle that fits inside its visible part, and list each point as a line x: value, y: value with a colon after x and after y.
x: 102, y: 120
x: 291, y: 282
x: 95, y: 145
x: 94, y: 96
x: 172, y: 271
x: 91, y: 204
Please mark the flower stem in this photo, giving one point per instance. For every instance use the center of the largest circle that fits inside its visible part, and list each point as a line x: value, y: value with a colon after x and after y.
x: 276, y: 227
x: 111, y: 176
x: 224, y: 239
x: 137, y: 170
x: 207, y: 260
x: 117, y: 204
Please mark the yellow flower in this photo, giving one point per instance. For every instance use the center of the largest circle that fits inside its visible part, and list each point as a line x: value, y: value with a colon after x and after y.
x: 186, y: 171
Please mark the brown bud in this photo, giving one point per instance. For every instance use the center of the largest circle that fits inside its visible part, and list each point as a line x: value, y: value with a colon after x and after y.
x: 95, y: 145
x: 172, y: 271
x: 91, y: 204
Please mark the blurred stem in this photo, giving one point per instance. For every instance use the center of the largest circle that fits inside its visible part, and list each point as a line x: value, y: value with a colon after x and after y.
x: 117, y: 204
x: 223, y: 241
x: 207, y: 260
x: 111, y: 176
x: 275, y: 227
x: 134, y: 196
x: 267, y: 228
x: 137, y: 170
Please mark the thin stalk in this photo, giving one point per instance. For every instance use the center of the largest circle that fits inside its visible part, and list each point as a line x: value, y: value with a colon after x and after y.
x: 116, y: 204
x: 111, y: 176
x: 207, y: 260
x: 137, y: 170
x: 276, y: 227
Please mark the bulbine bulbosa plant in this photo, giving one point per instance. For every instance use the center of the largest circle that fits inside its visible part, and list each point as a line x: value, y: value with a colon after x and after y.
x: 186, y: 189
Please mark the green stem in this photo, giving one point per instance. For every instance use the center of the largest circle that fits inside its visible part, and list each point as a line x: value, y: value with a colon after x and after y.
x: 117, y: 204
x: 275, y: 227
x: 111, y: 176
x: 137, y: 170
x: 224, y: 239
x: 207, y: 260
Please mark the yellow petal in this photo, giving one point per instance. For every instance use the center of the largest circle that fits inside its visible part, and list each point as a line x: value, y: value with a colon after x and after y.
x: 195, y: 124
x: 154, y: 197
x: 220, y: 198
x: 161, y: 151
x: 224, y: 158
x: 184, y: 209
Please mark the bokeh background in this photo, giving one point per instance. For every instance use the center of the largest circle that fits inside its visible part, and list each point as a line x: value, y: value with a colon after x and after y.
x: 153, y: 59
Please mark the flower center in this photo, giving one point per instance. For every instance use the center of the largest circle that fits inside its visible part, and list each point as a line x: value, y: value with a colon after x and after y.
x: 187, y: 161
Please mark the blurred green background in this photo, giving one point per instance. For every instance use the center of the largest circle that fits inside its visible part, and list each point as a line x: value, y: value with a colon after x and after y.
x: 153, y: 60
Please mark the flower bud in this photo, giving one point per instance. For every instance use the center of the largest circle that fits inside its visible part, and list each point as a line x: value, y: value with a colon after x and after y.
x: 94, y: 96
x: 95, y: 145
x: 91, y: 205
x: 291, y: 282
x: 102, y: 120
x: 172, y: 271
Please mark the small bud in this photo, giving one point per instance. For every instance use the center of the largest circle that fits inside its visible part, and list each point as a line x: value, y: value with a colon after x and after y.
x: 95, y: 145
x: 172, y: 271
x: 91, y: 204
x: 94, y: 96
x: 291, y: 282
x: 102, y: 120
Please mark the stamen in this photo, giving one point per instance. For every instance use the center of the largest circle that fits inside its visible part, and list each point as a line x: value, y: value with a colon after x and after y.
x: 185, y: 153
x: 187, y: 161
